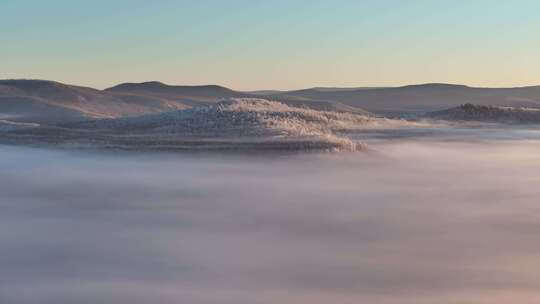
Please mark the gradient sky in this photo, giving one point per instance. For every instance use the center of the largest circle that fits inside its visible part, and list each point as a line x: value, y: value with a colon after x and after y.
x: 279, y: 44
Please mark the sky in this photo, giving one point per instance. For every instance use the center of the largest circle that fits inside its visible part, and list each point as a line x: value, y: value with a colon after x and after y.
x: 279, y: 44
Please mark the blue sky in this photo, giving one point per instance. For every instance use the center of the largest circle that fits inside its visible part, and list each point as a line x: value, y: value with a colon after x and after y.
x: 272, y: 44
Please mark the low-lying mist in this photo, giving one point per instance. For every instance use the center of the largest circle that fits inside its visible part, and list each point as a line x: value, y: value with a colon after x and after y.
x: 409, y: 221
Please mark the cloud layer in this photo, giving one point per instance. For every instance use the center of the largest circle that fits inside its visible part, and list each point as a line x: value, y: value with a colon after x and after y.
x: 417, y: 222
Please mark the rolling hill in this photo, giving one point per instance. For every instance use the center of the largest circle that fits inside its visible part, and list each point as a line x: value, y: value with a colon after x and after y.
x: 416, y: 99
x: 232, y: 124
x: 49, y: 102
x: 492, y: 114
x: 46, y: 102
x: 209, y: 94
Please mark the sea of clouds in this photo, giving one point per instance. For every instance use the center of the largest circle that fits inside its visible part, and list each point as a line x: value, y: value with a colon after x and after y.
x: 409, y: 221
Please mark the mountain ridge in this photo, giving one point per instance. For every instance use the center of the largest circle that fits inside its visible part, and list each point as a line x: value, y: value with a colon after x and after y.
x: 45, y: 101
x: 50, y: 102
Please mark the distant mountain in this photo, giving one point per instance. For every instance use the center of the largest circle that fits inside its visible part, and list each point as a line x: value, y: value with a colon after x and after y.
x: 322, y: 89
x: 420, y: 98
x: 49, y: 102
x: 187, y: 95
x: 157, y: 87
x: 209, y: 94
x: 52, y: 102
x: 338, y: 89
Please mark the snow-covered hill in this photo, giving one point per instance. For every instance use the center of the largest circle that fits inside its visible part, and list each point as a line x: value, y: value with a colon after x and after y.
x: 234, y: 123
x: 493, y: 114
x: 237, y: 117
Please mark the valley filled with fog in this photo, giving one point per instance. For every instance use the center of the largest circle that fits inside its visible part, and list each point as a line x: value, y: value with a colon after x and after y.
x: 446, y: 215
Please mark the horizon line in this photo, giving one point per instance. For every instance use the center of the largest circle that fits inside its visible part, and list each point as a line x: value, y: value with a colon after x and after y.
x: 370, y: 87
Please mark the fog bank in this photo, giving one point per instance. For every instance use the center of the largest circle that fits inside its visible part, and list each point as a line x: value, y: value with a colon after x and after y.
x: 409, y: 222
